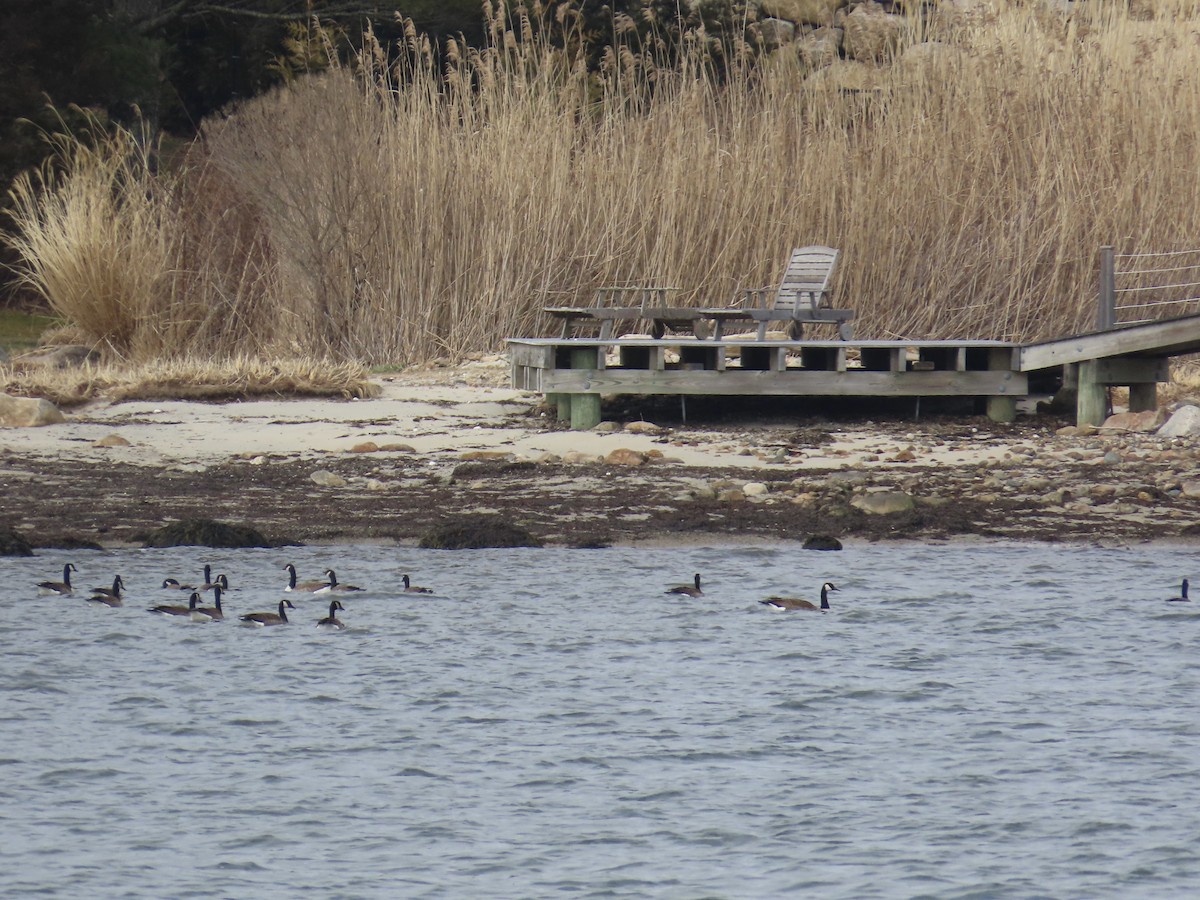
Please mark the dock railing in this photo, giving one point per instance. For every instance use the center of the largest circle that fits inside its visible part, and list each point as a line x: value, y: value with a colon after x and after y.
x: 1141, y: 287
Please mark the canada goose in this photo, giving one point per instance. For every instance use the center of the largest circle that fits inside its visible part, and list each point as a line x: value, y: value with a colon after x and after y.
x: 335, y: 585
x: 209, y: 613
x: 168, y: 610
x: 303, y: 587
x: 689, y: 589
x: 1183, y: 597
x: 263, y: 619
x: 796, y: 603
x: 222, y: 582
x: 60, y: 587
x: 332, y: 622
x: 410, y: 588
x: 174, y: 585
x: 113, y: 592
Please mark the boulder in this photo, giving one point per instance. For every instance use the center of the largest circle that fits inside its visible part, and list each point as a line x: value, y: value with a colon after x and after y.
x: 476, y: 532
x: 640, y: 427
x: 846, y: 75
x: 871, y: 35
x: 776, y: 33
x: 883, y: 503
x: 28, y: 412
x: 205, y: 533
x: 821, y: 47
x: 623, y: 456
x: 111, y: 440
x: 1184, y: 423
x: 822, y: 542
x: 950, y: 14
x: 802, y: 12
x: 13, y: 543
x: 325, y: 478
x: 1147, y: 421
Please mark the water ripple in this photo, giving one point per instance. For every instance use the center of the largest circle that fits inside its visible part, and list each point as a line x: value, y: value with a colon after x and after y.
x: 974, y: 720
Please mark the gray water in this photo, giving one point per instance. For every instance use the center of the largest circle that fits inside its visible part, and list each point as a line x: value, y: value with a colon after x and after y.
x: 969, y: 720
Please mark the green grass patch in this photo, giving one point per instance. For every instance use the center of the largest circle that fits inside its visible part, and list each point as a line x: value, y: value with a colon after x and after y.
x: 23, y: 331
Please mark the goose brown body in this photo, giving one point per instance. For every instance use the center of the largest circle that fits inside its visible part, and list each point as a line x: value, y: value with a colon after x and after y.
x: 303, y: 587
x: 60, y: 587
x: 167, y: 609
x: 109, y: 596
x: 212, y: 613
x: 335, y: 585
x: 410, y: 588
x: 267, y: 618
x: 689, y: 590
x: 331, y: 622
x: 796, y: 603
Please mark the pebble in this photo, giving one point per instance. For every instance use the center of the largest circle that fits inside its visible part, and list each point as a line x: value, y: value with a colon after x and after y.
x: 325, y: 478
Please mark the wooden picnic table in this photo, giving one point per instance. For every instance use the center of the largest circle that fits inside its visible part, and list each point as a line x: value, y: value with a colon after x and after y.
x: 649, y: 303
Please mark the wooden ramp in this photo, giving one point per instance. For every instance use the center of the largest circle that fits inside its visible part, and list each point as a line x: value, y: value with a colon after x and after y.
x: 1133, y: 356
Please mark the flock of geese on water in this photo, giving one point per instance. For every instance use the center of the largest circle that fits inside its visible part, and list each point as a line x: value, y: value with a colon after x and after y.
x: 114, y: 596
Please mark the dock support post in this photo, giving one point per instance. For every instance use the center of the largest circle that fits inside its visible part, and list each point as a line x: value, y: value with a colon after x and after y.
x: 1000, y: 407
x: 1091, y: 405
x: 1143, y: 397
x: 562, y: 403
x: 584, y: 408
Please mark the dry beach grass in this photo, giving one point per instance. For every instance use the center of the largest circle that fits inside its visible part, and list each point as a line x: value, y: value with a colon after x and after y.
x: 400, y: 211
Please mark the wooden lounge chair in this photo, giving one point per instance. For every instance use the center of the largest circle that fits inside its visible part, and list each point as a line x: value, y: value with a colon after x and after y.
x: 803, y: 296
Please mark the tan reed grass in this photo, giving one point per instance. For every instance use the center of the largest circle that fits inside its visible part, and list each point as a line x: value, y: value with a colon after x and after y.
x: 183, y: 378
x: 432, y: 206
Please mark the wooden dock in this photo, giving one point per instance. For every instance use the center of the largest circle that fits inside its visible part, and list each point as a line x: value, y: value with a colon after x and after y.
x: 576, y: 372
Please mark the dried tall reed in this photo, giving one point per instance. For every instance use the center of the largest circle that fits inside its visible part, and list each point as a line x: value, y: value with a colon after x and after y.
x: 145, y: 265
x: 433, y: 206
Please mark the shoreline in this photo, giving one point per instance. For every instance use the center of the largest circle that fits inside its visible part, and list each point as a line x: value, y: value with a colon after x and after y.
x: 445, y: 443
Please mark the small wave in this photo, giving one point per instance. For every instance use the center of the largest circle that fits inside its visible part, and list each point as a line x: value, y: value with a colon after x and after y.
x: 414, y: 772
x: 66, y: 776
x: 650, y: 798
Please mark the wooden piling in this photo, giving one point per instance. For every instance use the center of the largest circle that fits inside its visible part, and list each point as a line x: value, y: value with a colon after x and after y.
x: 1001, y: 407
x: 584, y: 407
x: 1091, y: 404
x: 1143, y: 397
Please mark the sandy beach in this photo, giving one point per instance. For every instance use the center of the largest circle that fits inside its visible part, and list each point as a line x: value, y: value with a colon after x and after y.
x: 447, y: 442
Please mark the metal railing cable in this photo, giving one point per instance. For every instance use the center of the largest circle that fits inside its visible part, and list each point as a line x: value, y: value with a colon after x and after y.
x: 1164, y: 282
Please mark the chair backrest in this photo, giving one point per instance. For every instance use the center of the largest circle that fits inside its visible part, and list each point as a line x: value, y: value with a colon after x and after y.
x: 807, y: 277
